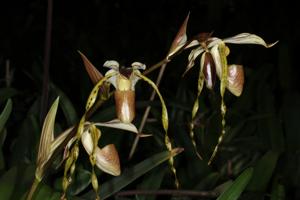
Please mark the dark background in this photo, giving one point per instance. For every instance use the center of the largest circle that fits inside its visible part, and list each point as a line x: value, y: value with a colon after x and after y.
x: 134, y: 31
x: 143, y: 31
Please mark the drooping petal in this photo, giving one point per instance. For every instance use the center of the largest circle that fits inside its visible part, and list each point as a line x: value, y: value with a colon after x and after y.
x: 112, y: 64
x: 107, y: 159
x: 180, y: 39
x: 235, y: 82
x: 248, y: 38
x: 94, y: 94
x: 164, y: 117
x: 192, y: 57
x: 217, y: 60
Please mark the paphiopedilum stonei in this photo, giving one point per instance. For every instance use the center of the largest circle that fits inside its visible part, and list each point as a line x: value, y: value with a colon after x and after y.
x: 213, y: 63
x: 124, y: 80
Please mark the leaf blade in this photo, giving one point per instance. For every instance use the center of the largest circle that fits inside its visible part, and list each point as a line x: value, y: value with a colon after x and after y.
x: 129, y: 175
x: 237, y: 187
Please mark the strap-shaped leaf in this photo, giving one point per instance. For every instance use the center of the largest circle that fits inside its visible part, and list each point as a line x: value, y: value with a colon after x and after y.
x: 47, y: 135
x: 5, y: 114
x: 237, y: 187
x: 129, y: 175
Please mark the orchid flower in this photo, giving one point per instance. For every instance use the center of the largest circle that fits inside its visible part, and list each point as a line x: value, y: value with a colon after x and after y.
x: 106, y: 158
x: 124, y: 80
x: 213, y: 63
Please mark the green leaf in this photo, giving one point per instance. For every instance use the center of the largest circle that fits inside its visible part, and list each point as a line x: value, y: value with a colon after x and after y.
x: 263, y: 171
x: 5, y: 114
x: 129, y: 175
x: 237, y: 187
x: 6, y: 93
x: 278, y: 192
x: 66, y: 106
x: 7, y: 183
x: 152, y: 181
x: 3, y: 119
x: 81, y: 180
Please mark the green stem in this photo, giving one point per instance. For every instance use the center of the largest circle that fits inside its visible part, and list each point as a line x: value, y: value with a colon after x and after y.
x: 33, y: 188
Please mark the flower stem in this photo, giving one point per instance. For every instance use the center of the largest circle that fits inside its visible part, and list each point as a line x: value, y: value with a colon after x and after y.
x: 33, y: 188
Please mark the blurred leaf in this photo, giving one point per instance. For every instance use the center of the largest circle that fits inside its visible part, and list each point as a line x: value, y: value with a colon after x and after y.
x: 5, y: 114
x: 25, y: 176
x: 278, y: 192
x: 43, y: 193
x: 263, y: 171
x: 129, y: 175
x: 7, y: 183
x: 290, y: 114
x: 152, y: 181
x: 237, y: 187
x: 270, y: 128
x: 66, y: 106
x: 6, y: 93
x: 208, y: 182
x: 3, y: 119
x: 81, y: 180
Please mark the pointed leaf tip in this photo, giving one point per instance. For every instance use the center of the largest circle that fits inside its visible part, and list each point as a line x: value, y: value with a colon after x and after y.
x: 47, y: 136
